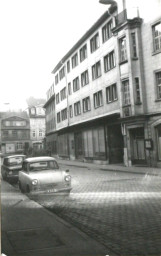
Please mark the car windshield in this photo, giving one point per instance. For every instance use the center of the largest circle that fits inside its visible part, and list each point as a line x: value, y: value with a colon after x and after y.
x: 17, y: 160
x: 43, y: 165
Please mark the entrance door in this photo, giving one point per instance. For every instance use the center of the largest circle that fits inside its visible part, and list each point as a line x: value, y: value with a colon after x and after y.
x: 115, y: 144
x: 78, y: 145
x: 137, y: 146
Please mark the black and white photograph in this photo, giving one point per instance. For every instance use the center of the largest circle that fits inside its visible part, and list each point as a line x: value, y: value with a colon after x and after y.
x: 80, y: 127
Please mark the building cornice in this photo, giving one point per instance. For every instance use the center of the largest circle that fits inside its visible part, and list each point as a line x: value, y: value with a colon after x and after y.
x: 84, y: 38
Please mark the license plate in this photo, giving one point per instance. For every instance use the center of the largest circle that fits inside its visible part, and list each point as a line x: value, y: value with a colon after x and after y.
x: 51, y: 190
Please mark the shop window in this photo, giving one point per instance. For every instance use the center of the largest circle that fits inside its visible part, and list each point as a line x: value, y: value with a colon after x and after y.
x: 156, y: 29
x: 63, y: 144
x: 83, y: 53
x: 94, y: 43
x: 19, y: 146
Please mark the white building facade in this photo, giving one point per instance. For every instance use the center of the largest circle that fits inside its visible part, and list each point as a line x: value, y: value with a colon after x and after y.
x: 105, y: 103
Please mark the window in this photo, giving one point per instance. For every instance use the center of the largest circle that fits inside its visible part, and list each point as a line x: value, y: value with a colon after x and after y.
x: 7, y: 123
x: 86, y: 104
x: 94, y: 43
x: 76, y: 84
x: 5, y: 133
x: 33, y: 111
x: 64, y: 114
x: 109, y: 61
x: 134, y: 47
x: 84, y: 78
x: 19, y: 146
x: 56, y: 79
x: 83, y: 53
x: 14, y: 133
x: 122, y: 47
x: 69, y: 89
x: 158, y: 84
x: 96, y: 70
x: 57, y: 98
x: 158, y: 128
x: 71, y: 111
x: 106, y: 31
x: 111, y: 93
x: 58, y: 117
x: 40, y: 133
x: 34, y: 133
x: 75, y: 60
x: 68, y: 66
x: 157, y: 36
x: 77, y: 108
x: 137, y: 90
x: 126, y: 92
x: 63, y: 93
x: 98, y: 99
x: 62, y: 73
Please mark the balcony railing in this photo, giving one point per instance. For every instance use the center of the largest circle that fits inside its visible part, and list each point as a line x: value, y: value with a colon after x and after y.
x: 121, y: 17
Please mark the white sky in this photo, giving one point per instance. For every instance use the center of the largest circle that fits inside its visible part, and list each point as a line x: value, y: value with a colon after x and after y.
x: 35, y: 35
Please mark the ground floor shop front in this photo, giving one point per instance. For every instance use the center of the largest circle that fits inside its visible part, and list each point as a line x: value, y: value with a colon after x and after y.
x: 131, y: 141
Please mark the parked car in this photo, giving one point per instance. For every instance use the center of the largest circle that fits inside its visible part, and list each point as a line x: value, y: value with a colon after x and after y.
x: 42, y: 174
x: 11, y: 167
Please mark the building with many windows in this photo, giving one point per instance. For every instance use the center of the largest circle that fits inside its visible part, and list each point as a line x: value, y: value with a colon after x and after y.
x: 105, y: 103
x: 15, y: 132
x: 37, y: 125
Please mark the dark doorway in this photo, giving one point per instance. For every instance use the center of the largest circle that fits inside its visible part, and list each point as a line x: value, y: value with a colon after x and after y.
x: 115, y: 144
x: 137, y: 146
x: 78, y: 145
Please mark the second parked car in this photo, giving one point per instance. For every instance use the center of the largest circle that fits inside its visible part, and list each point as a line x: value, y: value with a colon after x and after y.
x: 42, y: 174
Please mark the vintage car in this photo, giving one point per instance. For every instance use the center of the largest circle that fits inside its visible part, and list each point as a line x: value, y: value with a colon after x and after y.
x: 11, y: 167
x: 42, y: 174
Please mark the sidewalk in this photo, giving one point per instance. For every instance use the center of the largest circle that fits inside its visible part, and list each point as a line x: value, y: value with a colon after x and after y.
x: 29, y: 229
x: 110, y: 167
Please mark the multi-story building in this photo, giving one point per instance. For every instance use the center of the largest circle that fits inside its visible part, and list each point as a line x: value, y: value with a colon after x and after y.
x: 15, y: 132
x: 105, y: 103
x: 37, y: 125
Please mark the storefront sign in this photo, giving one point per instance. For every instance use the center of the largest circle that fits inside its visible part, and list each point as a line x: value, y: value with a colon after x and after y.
x: 148, y: 143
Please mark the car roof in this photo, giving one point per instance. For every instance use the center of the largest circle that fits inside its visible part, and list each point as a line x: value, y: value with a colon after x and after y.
x: 13, y: 156
x: 40, y: 158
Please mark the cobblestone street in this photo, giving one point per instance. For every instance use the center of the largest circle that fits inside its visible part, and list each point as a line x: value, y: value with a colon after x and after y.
x: 120, y: 210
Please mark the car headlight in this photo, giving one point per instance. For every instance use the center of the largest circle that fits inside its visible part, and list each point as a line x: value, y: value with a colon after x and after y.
x: 34, y: 182
x: 67, y: 178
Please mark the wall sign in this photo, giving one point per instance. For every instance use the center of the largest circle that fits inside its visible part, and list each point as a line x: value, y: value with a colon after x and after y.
x: 148, y: 143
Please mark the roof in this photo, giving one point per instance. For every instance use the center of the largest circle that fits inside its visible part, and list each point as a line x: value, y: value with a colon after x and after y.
x: 83, y: 38
x: 40, y: 158
x: 22, y: 114
x: 13, y: 156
